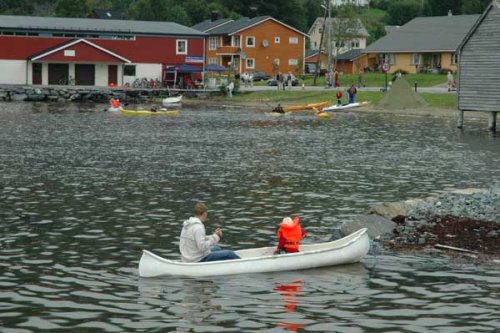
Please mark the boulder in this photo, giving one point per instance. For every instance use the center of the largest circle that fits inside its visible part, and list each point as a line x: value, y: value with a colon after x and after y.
x: 35, y: 98
x: 19, y: 97
x: 391, y: 210
x: 377, y: 226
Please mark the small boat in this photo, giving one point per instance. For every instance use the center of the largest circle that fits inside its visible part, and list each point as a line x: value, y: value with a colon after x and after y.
x: 172, y: 100
x: 114, y: 109
x: 349, y: 249
x: 337, y: 107
x: 306, y: 106
x: 324, y: 115
x: 149, y: 113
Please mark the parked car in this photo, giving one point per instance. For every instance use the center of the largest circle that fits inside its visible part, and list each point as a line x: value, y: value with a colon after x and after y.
x: 260, y: 76
x: 274, y: 82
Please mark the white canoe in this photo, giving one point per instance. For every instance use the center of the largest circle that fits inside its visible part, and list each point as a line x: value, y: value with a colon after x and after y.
x: 336, y: 107
x: 349, y: 249
x: 172, y: 100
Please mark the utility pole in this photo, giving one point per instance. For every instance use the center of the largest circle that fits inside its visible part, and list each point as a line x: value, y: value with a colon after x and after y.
x: 320, y: 45
x: 329, y: 35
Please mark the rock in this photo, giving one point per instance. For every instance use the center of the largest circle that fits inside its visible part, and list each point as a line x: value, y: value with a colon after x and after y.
x: 35, y: 98
x: 19, y: 97
x: 391, y: 210
x: 377, y: 226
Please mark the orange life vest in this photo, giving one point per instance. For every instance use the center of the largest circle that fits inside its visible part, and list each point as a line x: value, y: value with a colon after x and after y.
x: 292, y: 235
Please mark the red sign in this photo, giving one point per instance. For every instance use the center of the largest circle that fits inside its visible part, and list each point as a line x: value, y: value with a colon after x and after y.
x: 385, y: 67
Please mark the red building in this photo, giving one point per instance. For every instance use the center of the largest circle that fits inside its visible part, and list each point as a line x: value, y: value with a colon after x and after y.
x: 94, y: 52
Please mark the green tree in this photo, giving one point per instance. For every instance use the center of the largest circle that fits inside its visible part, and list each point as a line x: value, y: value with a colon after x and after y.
x: 71, y: 8
x: 312, y: 10
x: 441, y: 7
x: 474, y: 6
x: 16, y: 7
x: 401, y: 12
x: 196, y: 10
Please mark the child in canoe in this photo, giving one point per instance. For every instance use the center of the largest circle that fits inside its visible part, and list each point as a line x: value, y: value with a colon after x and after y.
x: 289, y: 235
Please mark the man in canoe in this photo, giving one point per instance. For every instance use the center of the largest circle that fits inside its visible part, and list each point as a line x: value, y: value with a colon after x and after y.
x: 195, y: 245
x: 289, y: 235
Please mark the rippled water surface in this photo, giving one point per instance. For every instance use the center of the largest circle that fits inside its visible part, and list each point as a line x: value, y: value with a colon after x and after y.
x: 82, y: 192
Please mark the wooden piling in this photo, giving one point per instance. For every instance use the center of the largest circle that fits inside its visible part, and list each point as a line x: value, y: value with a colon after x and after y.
x: 492, y: 121
x: 460, y: 118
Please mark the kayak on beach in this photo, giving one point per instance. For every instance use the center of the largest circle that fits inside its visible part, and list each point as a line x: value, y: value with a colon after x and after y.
x: 302, y: 107
x: 149, y: 113
x: 337, y: 107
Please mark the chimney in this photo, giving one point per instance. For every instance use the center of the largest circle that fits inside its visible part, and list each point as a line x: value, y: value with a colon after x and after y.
x: 214, y: 16
x: 450, y: 13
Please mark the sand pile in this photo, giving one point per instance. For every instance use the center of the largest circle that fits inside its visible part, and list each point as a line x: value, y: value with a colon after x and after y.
x: 401, y: 96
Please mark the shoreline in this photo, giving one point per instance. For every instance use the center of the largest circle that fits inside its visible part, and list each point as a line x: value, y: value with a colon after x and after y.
x: 266, y: 107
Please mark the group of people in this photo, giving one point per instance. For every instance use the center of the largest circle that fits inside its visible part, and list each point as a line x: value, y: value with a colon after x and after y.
x: 351, y: 95
x: 285, y: 80
x: 196, y: 246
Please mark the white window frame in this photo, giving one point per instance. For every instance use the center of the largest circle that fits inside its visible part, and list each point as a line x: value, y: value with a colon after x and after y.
x: 415, y: 59
x: 355, y: 44
x: 247, y: 38
x: 276, y: 61
x: 213, y: 61
x: 177, y: 44
x: 293, y: 40
x: 391, y: 58
x: 277, y: 40
x: 253, y: 63
x: 293, y: 62
x: 213, y: 42
x: 454, y: 58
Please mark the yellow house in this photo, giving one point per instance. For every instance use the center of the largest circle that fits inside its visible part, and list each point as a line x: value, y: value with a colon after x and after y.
x: 425, y: 44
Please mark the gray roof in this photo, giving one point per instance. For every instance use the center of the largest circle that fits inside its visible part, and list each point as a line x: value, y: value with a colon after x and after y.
x: 349, y: 55
x: 95, y: 26
x: 426, y: 34
x: 233, y: 27
x: 208, y: 25
x: 391, y: 28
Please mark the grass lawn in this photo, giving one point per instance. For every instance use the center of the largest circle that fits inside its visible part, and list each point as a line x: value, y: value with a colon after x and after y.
x: 378, y: 79
x: 273, y: 97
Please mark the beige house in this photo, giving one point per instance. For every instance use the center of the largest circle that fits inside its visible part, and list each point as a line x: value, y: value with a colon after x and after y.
x: 425, y: 44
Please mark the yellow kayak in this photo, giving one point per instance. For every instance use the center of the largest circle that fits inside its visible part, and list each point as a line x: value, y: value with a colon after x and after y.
x: 149, y: 113
x: 306, y: 106
x: 323, y: 115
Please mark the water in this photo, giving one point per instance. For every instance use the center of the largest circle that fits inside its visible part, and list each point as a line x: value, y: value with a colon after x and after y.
x: 82, y: 192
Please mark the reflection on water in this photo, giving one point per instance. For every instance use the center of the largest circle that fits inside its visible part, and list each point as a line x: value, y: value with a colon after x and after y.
x: 82, y: 192
x: 290, y: 292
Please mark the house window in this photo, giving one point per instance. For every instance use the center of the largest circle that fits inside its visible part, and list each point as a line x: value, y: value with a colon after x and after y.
x: 276, y: 61
x: 212, y: 61
x: 292, y: 62
x: 391, y: 58
x: 236, y: 41
x: 250, y: 41
x: 355, y: 44
x: 250, y: 63
x: 293, y: 40
x: 212, y: 43
x: 181, y: 46
x: 129, y: 70
x: 276, y: 40
x: 454, y: 58
x: 415, y: 59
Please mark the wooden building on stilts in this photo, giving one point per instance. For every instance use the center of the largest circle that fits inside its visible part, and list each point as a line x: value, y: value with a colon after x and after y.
x: 479, y: 67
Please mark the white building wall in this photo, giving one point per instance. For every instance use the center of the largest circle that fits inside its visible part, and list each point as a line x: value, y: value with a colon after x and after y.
x: 101, y: 75
x: 13, y: 71
x: 149, y: 71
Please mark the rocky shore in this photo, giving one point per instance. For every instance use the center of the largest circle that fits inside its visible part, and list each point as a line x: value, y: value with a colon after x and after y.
x: 461, y: 223
x: 76, y: 94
